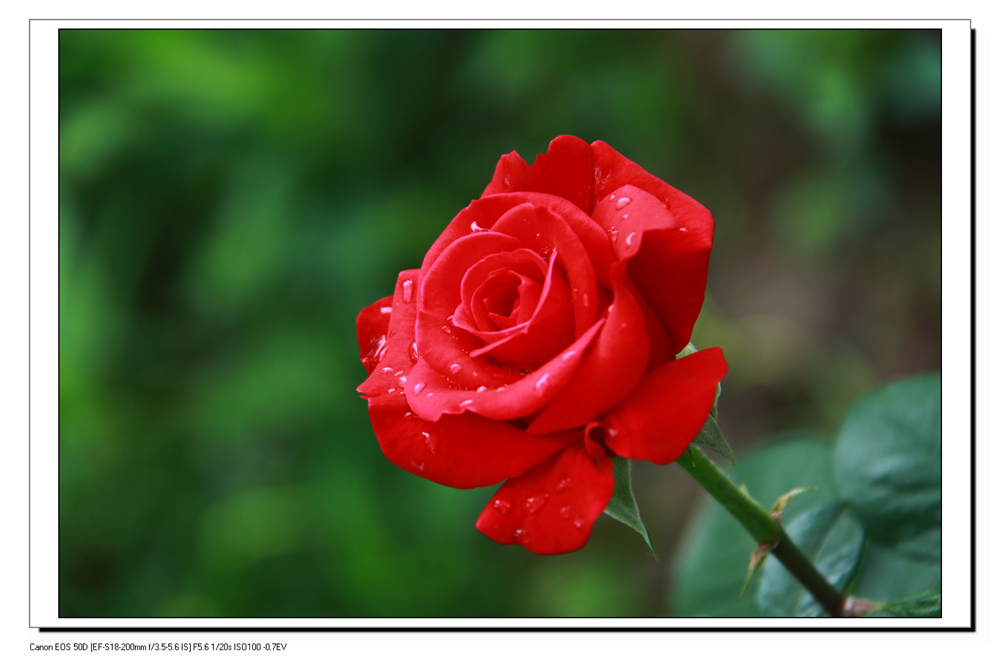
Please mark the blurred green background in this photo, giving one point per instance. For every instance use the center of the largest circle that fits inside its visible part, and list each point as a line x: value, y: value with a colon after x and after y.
x: 229, y: 200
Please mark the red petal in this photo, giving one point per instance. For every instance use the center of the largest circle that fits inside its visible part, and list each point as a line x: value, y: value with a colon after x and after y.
x: 551, y: 509
x: 668, y: 408
x: 566, y: 170
x: 676, y: 256
x: 432, y: 394
x: 373, y: 325
x: 463, y: 451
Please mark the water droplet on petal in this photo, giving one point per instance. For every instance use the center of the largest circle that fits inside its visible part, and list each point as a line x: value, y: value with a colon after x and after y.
x: 402, y: 381
x: 481, y: 389
x: 519, y: 533
x: 430, y: 442
x: 533, y: 504
x: 630, y: 239
x: 502, y: 506
x: 621, y: 203
x: 399, y: 373
x: 564, y: 512
x: 578, y: 522
x: 475, y: 227
x: 502, y: 388
x: 625, y: 216
x: 411, y: 416
x: 612, y: 197
x: 586, y: 300
x: 386, y: 370
x: 413, y: 353
x: 455, y: 367
x: 465, y: 403
x: 568, y: 355
x: 387, y: 309
x: 612, y: 432
x: 565, y: 485
x: 417, y: 388
x: 683, y: 229
x: 419, y: 466
x: 392, y: 390
x: 542, y: 382
x: 407, y: 291
x: 431, y: 394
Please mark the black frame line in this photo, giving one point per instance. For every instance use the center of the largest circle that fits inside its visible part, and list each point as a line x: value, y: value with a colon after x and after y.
x: 439, y: 629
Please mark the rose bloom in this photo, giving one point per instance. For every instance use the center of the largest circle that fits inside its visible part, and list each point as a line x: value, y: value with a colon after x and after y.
x: 539, y: 337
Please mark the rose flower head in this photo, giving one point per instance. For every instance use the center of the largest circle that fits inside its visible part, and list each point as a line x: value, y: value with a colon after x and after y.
x: 539, y: 339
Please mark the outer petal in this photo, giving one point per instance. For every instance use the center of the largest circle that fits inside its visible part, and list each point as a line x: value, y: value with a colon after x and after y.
x: 566, y: 170
x: 461, y: 451
x: 373, y: 325
x: 552, y: 508
x: 668, y: 408
x: 676, y: 256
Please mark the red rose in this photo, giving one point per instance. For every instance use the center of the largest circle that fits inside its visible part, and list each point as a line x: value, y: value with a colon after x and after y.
x: 539, y: 338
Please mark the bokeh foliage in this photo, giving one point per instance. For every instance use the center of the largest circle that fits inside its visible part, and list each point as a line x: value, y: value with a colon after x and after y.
x: 229, y: 200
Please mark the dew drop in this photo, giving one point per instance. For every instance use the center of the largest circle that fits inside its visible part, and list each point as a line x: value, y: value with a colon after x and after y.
x: 586, y: 300
x: 542, y: 382
x: 612, y: 432
x: 630, y: 239
x: 455, y: 367
x: 386, y: 370
x: 431, y: 394
x: 535, y: 503
x: 417, y: 388
x: 506, y: 181
x: 475, y: 227
x: 386, y: 309
x: 578, y: 522
x: 625, y: 216
x: 519, y: 533
x: 465, y: 403
x: 502, y: 506
x: 683, y: 229
x: 612, y: 197
x: 565, y: 485
x: 568, y: 355
x: 392, y: 390
x: 502, y: 388
x: 413, y: 353
x: 564, y: 512
x: 614, y: 235
x: 481, y: 389
x: 410, y: 416
x: 402, y: 381
x: 419, y: 466
x: 399, y: 373
x: 430, y: 442
x: 621, y: 203
x: 407, y: 291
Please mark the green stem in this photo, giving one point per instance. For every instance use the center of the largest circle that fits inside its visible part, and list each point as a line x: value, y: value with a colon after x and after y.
x: 763, y: 527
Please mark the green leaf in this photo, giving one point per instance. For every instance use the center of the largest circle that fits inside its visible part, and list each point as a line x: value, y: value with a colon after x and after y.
x: 832, y: 538
x: 712, y: 560
x: 923, y: 604
x: 622, y: 506
x: 712, y: 438
x: 887, y: 464
x: 887, y: 574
